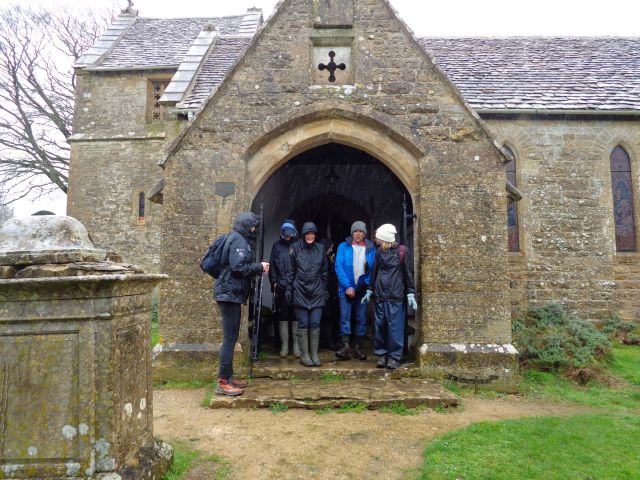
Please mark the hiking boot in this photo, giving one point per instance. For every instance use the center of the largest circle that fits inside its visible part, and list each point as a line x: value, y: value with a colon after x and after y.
x: 344, y: 353
x: 392, y: 364
x: 236, y: 382
x: 358, y: 354
x: 382, y: 362
x: 224, y: 387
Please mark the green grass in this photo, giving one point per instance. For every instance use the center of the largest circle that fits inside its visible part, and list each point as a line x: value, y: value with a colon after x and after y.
x: 332, y: 377
x: 352, y: 407
x: 401, y: 409
x: 278, y: 408
x: 625, y: 363
x: 185, y: 458
x: 588, y: 446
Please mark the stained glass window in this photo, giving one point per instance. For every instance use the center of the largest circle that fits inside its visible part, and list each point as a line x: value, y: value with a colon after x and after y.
x: 623, y: 200
x: 512, y: 208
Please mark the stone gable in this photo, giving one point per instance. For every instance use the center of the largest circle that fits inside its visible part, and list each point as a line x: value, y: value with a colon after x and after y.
x: 269, y: 109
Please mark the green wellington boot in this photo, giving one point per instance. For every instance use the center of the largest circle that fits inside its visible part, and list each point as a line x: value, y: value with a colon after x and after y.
x: 284, y: 338
x: 303, y: 340
x: 314, y: 342
x: 296, y: 346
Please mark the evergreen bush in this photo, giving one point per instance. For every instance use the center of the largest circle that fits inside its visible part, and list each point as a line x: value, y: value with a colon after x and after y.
x: 548, y: 339
x: 621, y: 331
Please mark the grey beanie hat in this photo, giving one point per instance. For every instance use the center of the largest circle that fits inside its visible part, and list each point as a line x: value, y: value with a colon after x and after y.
x: 358, y: 226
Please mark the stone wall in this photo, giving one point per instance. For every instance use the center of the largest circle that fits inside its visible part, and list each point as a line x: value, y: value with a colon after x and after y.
x: 567, y: 242
x: 400, y: 99
x: 114, y: 155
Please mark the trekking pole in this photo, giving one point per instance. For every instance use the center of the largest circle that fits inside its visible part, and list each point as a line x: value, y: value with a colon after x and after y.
x: 257, y: 302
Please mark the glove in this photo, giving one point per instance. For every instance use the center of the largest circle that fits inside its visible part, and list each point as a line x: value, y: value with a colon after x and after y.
x: 367, y: 296
x: 288, y: 296
x: 411, y: 300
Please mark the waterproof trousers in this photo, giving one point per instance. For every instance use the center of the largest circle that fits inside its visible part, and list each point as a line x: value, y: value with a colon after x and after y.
x: 389, y: 336
x: 308, y: 319
x: 346, y: 305
x: 230, y: 313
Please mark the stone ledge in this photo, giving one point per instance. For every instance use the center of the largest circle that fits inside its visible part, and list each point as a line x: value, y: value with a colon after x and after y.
x: 495, y: 364
x: 314, y: 394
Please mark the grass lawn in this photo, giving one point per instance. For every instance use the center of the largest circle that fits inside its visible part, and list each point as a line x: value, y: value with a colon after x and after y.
x: 604, y: 445
x: 185, y: 458
x: 582, y: 447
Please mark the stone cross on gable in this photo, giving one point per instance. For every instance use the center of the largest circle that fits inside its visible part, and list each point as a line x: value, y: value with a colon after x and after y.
x: 332, y: 66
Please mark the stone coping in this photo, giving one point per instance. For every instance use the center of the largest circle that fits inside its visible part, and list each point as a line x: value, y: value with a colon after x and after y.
x: 58, y: 255
x: 140, y: 277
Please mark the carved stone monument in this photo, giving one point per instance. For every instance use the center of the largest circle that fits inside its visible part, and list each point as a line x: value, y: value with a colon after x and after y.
x: 75, y: 366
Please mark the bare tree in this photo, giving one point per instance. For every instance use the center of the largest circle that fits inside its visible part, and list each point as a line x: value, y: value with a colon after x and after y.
x: 6, y: 212
x: 37, y: 84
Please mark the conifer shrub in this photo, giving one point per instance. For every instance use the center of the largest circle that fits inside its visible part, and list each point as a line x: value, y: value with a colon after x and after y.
x: 618, y: 330
x: 550, y: 339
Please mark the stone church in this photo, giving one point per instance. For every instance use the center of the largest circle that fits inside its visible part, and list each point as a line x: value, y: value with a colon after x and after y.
x: 514, y: 162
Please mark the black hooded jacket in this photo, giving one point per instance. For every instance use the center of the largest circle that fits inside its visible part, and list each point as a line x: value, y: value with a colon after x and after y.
x: 307, y: 277
x: 392, y: 279
x: 280, y: 261
x: 234, y: 284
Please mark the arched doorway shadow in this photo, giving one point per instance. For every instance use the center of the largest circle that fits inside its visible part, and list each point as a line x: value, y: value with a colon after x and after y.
x: 332, y: 185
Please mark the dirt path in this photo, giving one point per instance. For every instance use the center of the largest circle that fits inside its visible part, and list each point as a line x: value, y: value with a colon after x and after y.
x: 300, y: 444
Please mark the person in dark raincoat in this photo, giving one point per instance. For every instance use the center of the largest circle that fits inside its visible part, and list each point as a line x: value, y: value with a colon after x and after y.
x: 391, y: 281
x: 231, y: 290
x: 307, y: 291
x: 279, y: 262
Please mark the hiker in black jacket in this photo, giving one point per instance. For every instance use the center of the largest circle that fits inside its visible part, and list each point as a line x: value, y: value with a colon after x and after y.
x: 231, y: 290
x: 391, y: 281
x: 280, y: 261
x: 307, y: 291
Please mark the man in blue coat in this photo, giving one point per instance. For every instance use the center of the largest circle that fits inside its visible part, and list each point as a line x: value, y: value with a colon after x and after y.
x: 354, y: 262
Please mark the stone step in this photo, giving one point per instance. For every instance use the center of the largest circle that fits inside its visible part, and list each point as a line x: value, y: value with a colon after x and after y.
x: 290, y: 368
x: 319, y: 394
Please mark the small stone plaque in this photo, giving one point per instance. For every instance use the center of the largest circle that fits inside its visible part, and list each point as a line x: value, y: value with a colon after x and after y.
x: 225, y: 189
x: 333, y: 13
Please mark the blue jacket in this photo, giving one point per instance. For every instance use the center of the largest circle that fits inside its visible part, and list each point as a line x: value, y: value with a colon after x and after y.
x: 344, y: 265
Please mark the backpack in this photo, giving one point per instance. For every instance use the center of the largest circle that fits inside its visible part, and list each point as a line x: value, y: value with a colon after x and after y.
x: 212, y: 262
x: 403, y: 253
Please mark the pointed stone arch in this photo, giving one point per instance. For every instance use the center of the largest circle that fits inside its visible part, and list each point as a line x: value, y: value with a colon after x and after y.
x: 281, y: 144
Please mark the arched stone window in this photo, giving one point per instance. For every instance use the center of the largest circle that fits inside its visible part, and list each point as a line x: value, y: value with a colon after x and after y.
x: 512, y: 209
x: 622, y: 189
x: 141, y: 206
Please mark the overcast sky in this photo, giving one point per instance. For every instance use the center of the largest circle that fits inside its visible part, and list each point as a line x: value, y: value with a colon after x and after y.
x: 425, y: 17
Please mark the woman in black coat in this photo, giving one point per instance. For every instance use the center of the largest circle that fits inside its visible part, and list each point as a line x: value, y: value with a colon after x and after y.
x: 307, y: 291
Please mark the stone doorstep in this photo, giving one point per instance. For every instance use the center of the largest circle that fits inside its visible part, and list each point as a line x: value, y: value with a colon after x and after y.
x: 318, y: 394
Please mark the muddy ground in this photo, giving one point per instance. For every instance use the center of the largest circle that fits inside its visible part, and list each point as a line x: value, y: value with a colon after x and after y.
x: 300, y: 444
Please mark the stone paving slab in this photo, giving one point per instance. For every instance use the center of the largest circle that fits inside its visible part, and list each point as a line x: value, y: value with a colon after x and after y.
x: 317, y: 394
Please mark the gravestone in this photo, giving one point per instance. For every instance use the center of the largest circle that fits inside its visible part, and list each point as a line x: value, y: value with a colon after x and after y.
x: 75, y: 366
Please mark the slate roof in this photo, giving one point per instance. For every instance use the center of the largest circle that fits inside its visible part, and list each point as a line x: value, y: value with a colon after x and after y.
x: 517, y: 73
x: 224, y: 54
x: 597, y: 74
x: 156, y: 42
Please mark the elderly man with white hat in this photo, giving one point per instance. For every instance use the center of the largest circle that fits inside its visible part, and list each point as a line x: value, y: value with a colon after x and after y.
x: 391, y: 281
